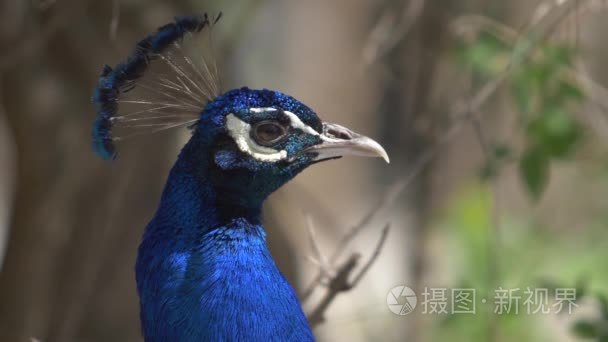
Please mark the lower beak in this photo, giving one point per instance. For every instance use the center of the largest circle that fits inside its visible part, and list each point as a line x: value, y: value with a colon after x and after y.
x: 339, y: 141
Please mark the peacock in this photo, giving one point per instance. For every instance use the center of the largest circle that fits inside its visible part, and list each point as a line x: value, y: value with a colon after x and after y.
x: 203, y: 270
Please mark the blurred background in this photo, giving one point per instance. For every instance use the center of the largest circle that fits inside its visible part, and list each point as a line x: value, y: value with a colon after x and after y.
x: 494, y: 114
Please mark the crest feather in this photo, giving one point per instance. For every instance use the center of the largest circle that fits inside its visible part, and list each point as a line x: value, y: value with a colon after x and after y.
x: 173, y: 98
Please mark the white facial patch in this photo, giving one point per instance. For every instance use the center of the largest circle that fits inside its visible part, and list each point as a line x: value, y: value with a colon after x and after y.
x: 239, y: 130
x: 263, y: 109
x: 298, y: 124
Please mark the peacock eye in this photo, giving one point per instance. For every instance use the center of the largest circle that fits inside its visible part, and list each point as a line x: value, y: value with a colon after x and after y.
x: 268, y: 133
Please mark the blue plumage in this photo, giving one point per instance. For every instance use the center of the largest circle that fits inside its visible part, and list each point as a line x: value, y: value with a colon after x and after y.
x: 117, y: 80
x: 204, y: 272
x: 203, y: 264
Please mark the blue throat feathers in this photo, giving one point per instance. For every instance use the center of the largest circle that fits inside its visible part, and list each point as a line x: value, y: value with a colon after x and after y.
x: 204, y: 272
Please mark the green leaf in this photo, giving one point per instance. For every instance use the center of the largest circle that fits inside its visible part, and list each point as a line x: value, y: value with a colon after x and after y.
x: 487, y: 55
x: 502, y: 152
x: 534, y: 168
x: 539, y: 74
x: 556, y: 132
x: 585, y: 329
x: 567, y: 90
x: 559, y: 55
x: 529, y: 86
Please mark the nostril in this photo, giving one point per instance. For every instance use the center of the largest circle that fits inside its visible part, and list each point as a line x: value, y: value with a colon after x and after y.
x: 337, y: 133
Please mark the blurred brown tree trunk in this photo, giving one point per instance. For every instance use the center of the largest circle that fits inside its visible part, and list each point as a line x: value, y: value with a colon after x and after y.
x: 72, y: 234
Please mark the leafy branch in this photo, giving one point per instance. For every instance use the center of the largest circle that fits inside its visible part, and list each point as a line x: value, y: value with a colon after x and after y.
x: 546, y: 97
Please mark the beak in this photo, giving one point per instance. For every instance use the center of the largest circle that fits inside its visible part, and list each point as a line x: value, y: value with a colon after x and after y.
x: 339, y: 141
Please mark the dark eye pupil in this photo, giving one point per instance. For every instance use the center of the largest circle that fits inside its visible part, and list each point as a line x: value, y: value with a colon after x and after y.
x: 268, y: 132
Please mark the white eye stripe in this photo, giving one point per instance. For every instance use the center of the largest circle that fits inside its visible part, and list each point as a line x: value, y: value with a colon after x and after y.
x: 298, y: 124
x: 239, y: 130
x: 263, y: 109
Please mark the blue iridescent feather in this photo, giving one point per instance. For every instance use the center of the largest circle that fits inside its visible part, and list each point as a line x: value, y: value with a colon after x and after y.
x: 115, y: 81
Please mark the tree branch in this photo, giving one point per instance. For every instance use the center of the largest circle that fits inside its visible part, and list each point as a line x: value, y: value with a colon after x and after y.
x: 340, y: 282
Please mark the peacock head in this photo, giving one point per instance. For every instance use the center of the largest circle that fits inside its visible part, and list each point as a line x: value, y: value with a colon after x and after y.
x: 246, y: 142
x: 260, y: 139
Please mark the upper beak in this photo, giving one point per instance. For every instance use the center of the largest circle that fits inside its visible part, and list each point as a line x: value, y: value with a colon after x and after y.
x: 340, y: 141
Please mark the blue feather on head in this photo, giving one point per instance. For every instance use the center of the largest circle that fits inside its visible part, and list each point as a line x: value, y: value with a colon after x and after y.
x: 115, y: 81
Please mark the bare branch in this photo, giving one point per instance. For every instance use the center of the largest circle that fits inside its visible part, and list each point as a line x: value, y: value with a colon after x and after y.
x: 338, y: 282
x: 318, y: 258
x: 481, y: 137
x: 387, y: 34
x: 373, y: 257
x: 337, y: 285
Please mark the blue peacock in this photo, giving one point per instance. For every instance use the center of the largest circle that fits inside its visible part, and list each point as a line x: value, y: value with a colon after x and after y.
x: 204, y: 271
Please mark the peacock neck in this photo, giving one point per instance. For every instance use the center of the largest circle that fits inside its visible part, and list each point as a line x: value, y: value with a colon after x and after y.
x: 196, y: 200
x: 204, y: 271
